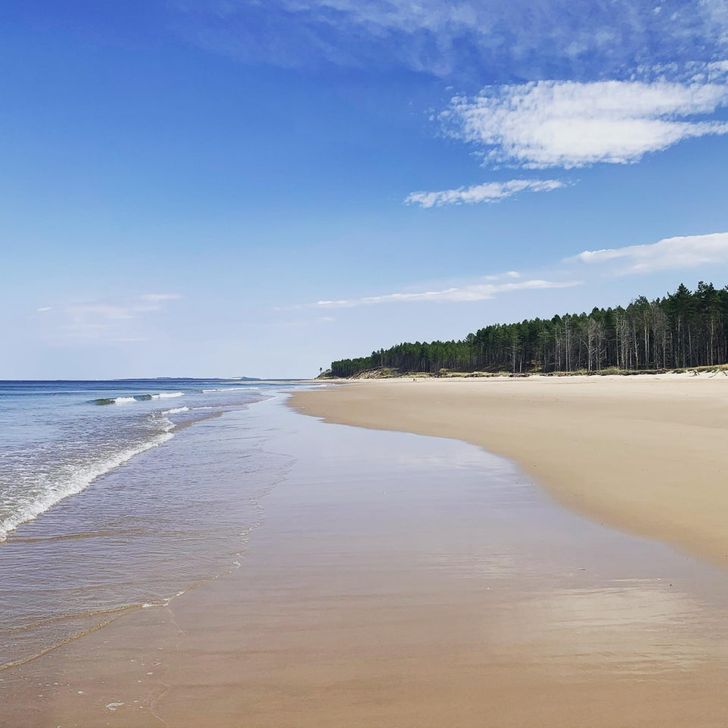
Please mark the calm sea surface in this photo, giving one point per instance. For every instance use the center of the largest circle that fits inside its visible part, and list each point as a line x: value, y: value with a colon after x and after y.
x: 145, y: 523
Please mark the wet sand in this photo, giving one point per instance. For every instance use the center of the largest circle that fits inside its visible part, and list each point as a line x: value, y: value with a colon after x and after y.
x: 648, y: 454
x: 404, y: 581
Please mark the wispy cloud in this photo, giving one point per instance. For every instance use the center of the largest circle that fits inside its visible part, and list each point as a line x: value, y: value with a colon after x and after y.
x: 687, y: 251
x: 500, y: 39
x: 715, y: 13
x: 101, y: 311
x: 125, y: 309
x: 302, y: 323
x: 675, y: 253
x: 570, y: 124
x: 110, y: 320
x: 159, y: 297
x: 487, y: 192
x: 472, y: 292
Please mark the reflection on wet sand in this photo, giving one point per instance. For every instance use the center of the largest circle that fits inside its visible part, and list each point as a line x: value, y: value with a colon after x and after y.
x: 398, y: 580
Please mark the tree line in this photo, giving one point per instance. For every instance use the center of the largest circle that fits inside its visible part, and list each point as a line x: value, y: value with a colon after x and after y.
x: 683, y: 329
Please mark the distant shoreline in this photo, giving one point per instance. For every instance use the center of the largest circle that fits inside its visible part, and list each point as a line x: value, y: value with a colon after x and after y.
x: 644, y: 453
x: 388, y: 373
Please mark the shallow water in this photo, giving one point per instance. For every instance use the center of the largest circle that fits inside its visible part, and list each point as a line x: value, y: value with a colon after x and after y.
x: 58, y: 437
x: 109, y: 510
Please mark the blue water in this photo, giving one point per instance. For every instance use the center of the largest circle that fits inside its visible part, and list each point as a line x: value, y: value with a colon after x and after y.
x: 122, y: 494
x: 58, y: 437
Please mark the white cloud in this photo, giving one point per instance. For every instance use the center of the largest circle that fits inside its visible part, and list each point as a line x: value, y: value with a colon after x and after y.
x: 44, y: 309
x: 688, y: 251
x: 500, y: 276
x: 500, y: 38
x: 715, y: 13
x: 111, y: 320
x: 570, y: 124
x: 100, y: 310
x: 160, y: 297
x: 124, y: 309
x: 487, y: 192
x: 683, y: 252
x: 462, y: 294
x: 305, y: 322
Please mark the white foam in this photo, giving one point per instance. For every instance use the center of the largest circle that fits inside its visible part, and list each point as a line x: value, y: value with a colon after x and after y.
x: 123, y: 400
x: 81, y: 478
x: 167, y: 395
x: 176, y: 410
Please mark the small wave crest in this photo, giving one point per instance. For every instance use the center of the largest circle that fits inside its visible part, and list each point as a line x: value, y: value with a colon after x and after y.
x: 113, y: 400
x: 128, y: 399
x: 80, y: 478
x: 223, y: 389
x: 176, y: 410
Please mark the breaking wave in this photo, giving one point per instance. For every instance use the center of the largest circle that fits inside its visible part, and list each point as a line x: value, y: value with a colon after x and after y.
x: 76, y: 478
x: 128, y: 399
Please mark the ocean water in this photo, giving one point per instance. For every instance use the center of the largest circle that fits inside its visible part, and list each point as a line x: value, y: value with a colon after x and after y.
x: 120, y: 495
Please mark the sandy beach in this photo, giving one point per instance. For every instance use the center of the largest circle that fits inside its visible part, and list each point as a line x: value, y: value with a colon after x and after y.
x: 400, y: 581
x: 647, y: 454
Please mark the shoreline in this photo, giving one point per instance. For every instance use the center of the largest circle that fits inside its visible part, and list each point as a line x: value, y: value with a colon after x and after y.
x: 644, y: 454
x: 397, y: 580
x: 389, y: 374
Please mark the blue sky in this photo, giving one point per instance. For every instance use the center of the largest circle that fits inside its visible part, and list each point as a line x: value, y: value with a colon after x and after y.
x: 238, y: 187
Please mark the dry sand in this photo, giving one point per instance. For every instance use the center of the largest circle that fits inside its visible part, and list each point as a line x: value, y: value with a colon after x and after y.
x: 648, y: 454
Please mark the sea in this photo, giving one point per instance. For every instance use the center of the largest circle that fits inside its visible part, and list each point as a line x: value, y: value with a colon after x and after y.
x: 120, y: 495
